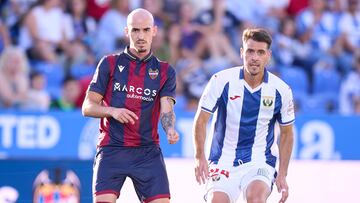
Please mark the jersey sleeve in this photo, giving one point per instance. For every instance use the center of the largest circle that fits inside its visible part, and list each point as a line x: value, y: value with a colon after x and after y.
x: 170, y: 84
x: 101, y: 77
x: 211, y: 94
x: 287, y: 114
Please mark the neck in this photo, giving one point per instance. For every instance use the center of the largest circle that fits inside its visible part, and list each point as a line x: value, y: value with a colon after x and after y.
x: 253, y: 80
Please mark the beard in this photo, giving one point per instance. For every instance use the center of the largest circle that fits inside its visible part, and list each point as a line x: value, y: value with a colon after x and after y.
x: 141, y: 46
x: 142, y: 50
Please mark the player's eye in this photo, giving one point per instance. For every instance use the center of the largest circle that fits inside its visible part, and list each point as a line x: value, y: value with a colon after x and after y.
x: 250, y: 51
x: 261, y: 52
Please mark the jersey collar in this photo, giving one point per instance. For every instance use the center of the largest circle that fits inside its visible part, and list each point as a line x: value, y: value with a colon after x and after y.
x: 266, y: 74
x: 135, y: 58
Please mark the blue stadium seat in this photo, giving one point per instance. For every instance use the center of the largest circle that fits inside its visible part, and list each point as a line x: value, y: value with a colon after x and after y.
x: 326, y: 81
x: 327, y: 86
x: 296, y: 78
x: 82, y: 70
x: 54, y: 74
x: 320, y: 104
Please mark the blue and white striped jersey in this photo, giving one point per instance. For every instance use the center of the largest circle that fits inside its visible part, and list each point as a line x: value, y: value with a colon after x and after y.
x: 244, y: 118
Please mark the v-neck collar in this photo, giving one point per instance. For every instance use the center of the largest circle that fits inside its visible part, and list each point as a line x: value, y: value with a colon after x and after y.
x: 247, y: 86
x: 135, y: 58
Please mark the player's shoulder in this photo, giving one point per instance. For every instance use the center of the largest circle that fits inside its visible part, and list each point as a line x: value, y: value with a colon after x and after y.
x: 277, y: 82
x: 113, y: 55
x: 228, y: 73
x: 163, y: 64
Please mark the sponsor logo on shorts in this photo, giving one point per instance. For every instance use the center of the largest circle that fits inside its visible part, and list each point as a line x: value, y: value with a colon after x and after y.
x: 215, y: 174
x: 263, y: 172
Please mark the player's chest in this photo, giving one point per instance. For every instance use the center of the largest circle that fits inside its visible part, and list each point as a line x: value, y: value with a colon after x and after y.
x: 137, y: 81
x: 261, y: 103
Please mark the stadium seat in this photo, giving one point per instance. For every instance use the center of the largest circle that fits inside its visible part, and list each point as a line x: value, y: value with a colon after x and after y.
x: 82, y: 70
x: 296, y: 78
x: 320, y: 104
x: 326, y: 81
x: 54, y: 74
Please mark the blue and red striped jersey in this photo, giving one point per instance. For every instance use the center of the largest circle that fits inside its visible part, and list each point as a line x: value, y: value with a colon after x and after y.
x: 125, y: 81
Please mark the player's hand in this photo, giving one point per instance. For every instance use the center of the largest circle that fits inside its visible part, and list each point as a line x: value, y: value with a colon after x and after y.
x: 201, y: 170
x: 124, y: 115
x: 282, y: 187
x: 172, y: 136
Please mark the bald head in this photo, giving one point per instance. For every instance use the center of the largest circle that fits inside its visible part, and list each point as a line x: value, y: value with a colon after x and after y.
x: 140, y: 14
x: 140, y: 29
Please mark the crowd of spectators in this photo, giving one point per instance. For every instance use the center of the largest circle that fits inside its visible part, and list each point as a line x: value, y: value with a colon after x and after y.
x: 49, y: 48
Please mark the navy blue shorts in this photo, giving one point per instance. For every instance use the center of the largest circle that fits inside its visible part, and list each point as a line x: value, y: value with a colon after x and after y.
x: 144, y: 165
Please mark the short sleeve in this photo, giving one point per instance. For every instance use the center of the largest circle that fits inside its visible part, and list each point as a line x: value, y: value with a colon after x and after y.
x: 101, y: 77
x: 169, y: 87
x: 287, y: 114
x: 211, y: 94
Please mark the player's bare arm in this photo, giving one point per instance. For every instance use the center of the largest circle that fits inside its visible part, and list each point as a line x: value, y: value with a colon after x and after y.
x: 167, y: 117
x: 285, y: 149
x: 199, y: 131
x: 93, y: 107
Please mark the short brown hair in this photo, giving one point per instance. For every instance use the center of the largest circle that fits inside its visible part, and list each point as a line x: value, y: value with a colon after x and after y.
x: 257, y: 34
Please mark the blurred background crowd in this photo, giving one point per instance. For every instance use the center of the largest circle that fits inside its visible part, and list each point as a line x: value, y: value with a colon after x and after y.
x: 49, y: 48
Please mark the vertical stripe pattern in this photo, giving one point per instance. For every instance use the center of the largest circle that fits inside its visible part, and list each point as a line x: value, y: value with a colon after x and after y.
x: 220, y: 126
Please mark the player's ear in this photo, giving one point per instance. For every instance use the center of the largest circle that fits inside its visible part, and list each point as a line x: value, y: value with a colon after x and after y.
x: 126, y: 31
x: 155, y: 29
x: 270, y: 54
x: 241, y: 52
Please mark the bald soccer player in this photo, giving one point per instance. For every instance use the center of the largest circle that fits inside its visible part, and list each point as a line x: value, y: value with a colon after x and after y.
x: 129, y: 92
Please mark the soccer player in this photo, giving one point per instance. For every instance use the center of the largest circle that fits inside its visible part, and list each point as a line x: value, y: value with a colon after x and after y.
x: 247, y: 102
x: 129, y: 92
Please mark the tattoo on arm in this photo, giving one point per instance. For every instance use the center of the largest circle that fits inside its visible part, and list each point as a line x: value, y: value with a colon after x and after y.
x: 168, y: 118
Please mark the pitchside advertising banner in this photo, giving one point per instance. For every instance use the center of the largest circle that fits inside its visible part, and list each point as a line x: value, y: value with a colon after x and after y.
x: 45, y: 181
x: 68, y: 135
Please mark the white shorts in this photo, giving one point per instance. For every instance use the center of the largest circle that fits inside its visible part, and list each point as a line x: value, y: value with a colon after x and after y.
x: 234, y: 179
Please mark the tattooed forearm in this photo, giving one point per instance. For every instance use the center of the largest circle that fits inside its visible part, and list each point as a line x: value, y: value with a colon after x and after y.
x: 167, y: 120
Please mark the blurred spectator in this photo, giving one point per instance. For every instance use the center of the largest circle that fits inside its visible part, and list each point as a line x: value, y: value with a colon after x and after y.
x: 350, y: 30
x: 248, y: 15
x: 15, y: 12
x: 317, y: 27
x: 171, y: 7
x: 69, y: 95
x: 185, y: 37
x: 4, y: 36
x: 14, y: 83
x: 186, y: 46
x: 350, y: 91
x: 160, y: 45
x: 220, y: 20
x: 97, y: 8
x: 287, y: 49
x: 38, y: 98
x: 296, y: 6
x: 44, y: 33
x: 84, y: 84
x: 215, y: 23
x: 111, y: 35
x: 81, y: 32
x: 272, y: 13
x: 156, y: 7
